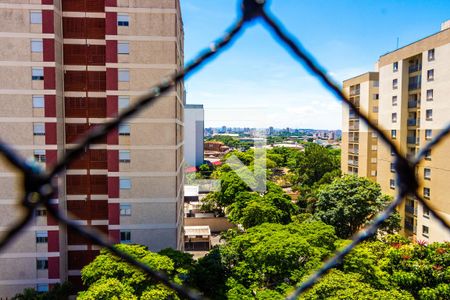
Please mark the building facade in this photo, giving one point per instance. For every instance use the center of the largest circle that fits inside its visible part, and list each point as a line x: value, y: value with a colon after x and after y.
x: 359, y: 143
x: 194, y: 128
x: 414, y: 82
x: 67, y: 66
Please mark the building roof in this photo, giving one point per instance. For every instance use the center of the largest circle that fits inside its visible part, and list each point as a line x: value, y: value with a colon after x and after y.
x: 197, y: 230
x: 193, y: 106
x: 191, y: 190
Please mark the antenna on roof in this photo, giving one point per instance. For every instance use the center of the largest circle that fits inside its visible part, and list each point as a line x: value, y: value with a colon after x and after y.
x: 398, y: 39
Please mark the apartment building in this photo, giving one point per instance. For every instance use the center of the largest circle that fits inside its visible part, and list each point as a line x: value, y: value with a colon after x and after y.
x: 414, y: 82
x: 194, y: 125
x: 67, y: 66
x: 359, y: 143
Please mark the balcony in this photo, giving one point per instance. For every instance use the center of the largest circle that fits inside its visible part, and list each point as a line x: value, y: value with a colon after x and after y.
x: 410, y: 209
x: 353, y: 162
x: 355, y: 92
x: 413, y: 122
x: 353, y: 116
x: 414, y: 86
x: 412, y: 140
x: 414, y: 68
x: 354, y: 140
x: 413, y: 104
x: 353, y: 151
x: 354, y: 127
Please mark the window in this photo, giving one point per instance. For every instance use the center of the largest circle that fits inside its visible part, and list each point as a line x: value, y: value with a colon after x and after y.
x: 125, y: 237
x: 426, y: 213
x: 42, y: 288
x: 374, y: 135
x: 430, y: 75
x: 124, y: 101
x: 392, y: 184
x: 392, y: 152
x: 395, y: 66
x: 124, y: 75
x: 123, y: 48
x: 375, y: 109
x: 430, y: 54
x: 395, y: 84
x: 38, y: 129
x: 394, y: 117
x: 426, y: 192
x: 373, y: 160
x: 37, y: 46
x: 39, y: 156
x: 393, y: 134
x: 392, y: 168
x: 428, y: 134
x: 427, y: 173
x: 425, y: 231
x: 123, y: 20
x: 376, y: 96
x: 38, y: 101
x: 373, y: 173
x: 124, y: 129
x: 41, y: 212
x: 124, y: 156
x: 125, y: 209
x: 41, y: 237
x: 125, y: 183
x: 429, y: 114
x: 428, y: 155
x: 36, y: 17
x: 376, y: 83
x: 394, y: 100
x: 374, y: 148
x: 42, y: 264
x: 37, y: 73
x: 429, y: 95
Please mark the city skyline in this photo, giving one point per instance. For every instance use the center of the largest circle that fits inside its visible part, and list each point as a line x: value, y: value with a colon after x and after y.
x: 239, y: 87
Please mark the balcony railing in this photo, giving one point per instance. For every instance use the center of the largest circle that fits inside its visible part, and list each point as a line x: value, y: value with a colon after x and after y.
x: 413, y: 104
x: 354, y: 140
x: 354, y: 92
x: 413, y: 122
x: 414, y: 86
x: 409, y: 226
x: 412, y: 140
x: 353, y: 162
x: 410, y: 209
x: 353, y: 151
x: 353, y: 116
x: 414, y: 68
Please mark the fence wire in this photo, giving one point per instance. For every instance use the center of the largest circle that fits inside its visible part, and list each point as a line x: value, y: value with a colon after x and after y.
x: 39, y: 185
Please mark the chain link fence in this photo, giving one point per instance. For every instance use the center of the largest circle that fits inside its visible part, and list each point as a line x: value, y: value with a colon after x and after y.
x: 39, y: 185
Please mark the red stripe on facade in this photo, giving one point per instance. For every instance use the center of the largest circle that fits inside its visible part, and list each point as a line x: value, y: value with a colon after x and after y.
x: 53, y: 267
x: 47, y: 1
x: 48, y: 23
x: 112, y: 83
x: 50, y: 106
x: 111, y: 52
x: 113, y: 160
x: 114, y: 213
x: 49, y: 49
x: 53, y: 241
x: 112, y: 3
x: 51, y: 157
x: 113, y: 137
x: 50, y: 133
x: 111, y: 23
x: 114, y: 236
x: 112, y: 106
x: 49, y: 78
x: 51, y: 221
x: 113, y: 187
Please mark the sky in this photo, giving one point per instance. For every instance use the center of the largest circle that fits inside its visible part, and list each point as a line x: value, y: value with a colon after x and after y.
x: 256, y: 83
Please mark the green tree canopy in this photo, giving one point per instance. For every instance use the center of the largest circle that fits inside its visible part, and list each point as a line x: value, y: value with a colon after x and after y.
x: 350, y: 202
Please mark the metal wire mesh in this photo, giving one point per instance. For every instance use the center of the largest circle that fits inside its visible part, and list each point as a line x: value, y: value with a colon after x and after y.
x: 38, y: 185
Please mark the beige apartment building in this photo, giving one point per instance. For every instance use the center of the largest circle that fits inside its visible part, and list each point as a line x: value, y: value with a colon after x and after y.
x: 359, y: 143
x: 67, y: 65
x: 414, y: 84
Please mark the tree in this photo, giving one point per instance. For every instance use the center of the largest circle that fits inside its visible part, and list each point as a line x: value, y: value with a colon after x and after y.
x: 57, y: 292
x: 339, y: 285
x: 274, y: 255
x: 310, y: 166
x: 108, y: 276
x: 350, y: 202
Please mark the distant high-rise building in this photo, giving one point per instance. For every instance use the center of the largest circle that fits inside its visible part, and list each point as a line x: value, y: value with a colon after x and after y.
x: 67, y: 66
x: 359, y: 144
x: 194, y: 124
x: 414, y: 84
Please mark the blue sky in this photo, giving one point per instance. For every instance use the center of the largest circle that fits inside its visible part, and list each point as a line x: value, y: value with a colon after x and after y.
x: 256, y: 83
